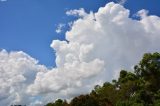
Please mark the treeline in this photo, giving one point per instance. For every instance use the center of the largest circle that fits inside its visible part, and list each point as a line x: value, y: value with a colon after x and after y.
x: 140, y: 88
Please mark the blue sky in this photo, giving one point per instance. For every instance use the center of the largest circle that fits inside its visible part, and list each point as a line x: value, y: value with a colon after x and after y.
x: 93, y: 53
x: 29, y: 25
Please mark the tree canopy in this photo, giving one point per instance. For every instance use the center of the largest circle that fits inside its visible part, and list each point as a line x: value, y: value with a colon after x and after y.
x: 138, y: 88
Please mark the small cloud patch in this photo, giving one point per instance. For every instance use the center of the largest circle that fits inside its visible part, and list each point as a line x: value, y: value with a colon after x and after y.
x: 59, y: 28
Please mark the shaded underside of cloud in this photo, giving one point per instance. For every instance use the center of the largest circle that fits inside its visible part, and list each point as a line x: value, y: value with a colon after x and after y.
x: 98, y: 45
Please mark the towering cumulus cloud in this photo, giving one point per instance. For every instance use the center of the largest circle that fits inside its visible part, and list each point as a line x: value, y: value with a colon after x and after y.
x: 96, y: 48
x: 17, y: 71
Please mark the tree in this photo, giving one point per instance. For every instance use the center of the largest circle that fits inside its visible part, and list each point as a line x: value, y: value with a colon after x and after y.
x: 149, y: 70
x: 140, y: 88
x: 84, y: 100
x: 58, y: 102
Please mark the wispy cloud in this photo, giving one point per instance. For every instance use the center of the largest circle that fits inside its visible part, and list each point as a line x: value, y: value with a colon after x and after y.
x: 81, y: 12
x: 122, y: 2
x: 3, y: 0
x: 59, y: 28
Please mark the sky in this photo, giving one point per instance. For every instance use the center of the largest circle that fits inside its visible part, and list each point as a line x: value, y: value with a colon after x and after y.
x: 45, y: 42
x: 29, y: 25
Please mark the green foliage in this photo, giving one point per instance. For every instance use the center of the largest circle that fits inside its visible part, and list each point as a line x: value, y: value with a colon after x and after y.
x: 149, y: 70
x: 140, y: 88
x: 58, y: 102
x: 84, y: 100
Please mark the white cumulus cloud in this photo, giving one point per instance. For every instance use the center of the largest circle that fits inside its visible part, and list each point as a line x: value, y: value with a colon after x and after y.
x: 96, y: 48
x: 17, y: 71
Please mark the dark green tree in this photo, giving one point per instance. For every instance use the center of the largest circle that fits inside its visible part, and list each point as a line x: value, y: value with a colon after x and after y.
x: 149, y: 70
x: 140, y: 88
